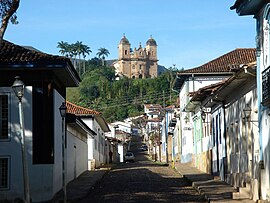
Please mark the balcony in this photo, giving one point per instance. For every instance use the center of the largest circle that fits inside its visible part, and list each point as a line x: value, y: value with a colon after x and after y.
x: 266, y: 87
x: 173, y: 122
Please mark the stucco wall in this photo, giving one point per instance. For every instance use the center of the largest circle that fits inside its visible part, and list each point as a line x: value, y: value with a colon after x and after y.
x: 76, y: 154
x: 12, y: 148
x: 57, y: 168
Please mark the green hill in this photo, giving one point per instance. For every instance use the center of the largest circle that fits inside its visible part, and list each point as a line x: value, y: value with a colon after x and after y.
x: 119, y: 99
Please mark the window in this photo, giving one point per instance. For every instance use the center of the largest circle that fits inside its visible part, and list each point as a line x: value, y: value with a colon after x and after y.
x: 4, y: 173
x: 126, y: 52
x: 43, y: 124
x: 214, y: 132
x: 3, y: 117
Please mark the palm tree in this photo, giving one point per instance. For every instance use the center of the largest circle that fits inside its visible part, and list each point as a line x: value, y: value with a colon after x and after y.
x: 74, y: 50
x: 102, y: 52
x: 73, y: 54
x: 85, y: 51
x: 63, y: 46
x: 70, y: 52
x: 78, y: 48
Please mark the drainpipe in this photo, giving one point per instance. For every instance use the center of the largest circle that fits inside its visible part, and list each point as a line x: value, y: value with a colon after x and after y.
x: 260, y: 127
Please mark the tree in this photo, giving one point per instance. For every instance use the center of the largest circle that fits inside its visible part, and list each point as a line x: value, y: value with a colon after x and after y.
x: 64, y: 48
x: 78, y: 49
x: 102, y: 52
x: 85, y: 51
x: 8, y: 10
x: 73, y: 50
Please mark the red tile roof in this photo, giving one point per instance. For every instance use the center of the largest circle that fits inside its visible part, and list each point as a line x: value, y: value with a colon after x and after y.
x: 78, y: 110
x: 156, y: 106
x: 226, y: 63
x: 11, y: 54
x: 153, y: 120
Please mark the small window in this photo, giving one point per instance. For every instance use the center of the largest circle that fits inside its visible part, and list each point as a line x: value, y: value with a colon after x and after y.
x: 4, y: 173
x: 3, y: 117
x: 214, y: 132
x: 126, y: 52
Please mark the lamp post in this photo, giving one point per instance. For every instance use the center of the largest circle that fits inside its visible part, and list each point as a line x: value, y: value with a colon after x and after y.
x: 18, y: 88
x: 203, y: 116
x: 247, y: 112
x: 63, y: 112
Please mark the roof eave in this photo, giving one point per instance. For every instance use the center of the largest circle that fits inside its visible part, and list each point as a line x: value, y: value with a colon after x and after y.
x: 247, y: 7
x: 102, y: 123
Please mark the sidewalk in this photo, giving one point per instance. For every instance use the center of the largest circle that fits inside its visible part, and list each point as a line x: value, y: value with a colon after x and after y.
x: 214, y: 190
x: 80, y: 187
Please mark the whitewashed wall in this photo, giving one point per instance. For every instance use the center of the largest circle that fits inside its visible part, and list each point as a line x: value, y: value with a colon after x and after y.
x: 12, y: 148
x: 96, y: 145
x: 263, y: 36
x: 187, y: 127
x: 76, y: 154
x: 57, y: 168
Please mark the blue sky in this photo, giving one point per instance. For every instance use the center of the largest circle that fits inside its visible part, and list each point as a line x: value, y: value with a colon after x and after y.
x: 189, y: 33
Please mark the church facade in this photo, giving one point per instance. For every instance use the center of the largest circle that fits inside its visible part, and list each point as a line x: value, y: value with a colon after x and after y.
x: 141, y: 62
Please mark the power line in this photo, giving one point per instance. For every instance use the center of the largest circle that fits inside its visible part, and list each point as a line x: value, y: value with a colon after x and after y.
x: 140, y: 99
x: 114, y: 104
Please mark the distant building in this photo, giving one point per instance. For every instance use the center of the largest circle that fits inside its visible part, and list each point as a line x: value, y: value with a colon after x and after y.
x: 138, y: 63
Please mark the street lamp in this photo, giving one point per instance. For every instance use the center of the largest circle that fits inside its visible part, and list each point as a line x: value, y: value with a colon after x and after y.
x: 203, y: 116
x: 18, y: 88
x: 247, y: 112
x: 63, y: 113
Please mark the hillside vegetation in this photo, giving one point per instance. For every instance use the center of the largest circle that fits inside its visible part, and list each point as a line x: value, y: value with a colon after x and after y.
x: 119, y: 99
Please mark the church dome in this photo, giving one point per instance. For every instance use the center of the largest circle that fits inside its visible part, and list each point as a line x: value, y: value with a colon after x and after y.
x: 151, y: 42
x: 124, y: 40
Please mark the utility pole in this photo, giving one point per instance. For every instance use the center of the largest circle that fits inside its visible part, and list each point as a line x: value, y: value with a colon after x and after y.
x: 166, y: 137
x: 159, y: 150
x: 163, y: 99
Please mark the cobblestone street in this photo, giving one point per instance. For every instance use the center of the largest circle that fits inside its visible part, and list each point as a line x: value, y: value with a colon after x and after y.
x: 143, y: 181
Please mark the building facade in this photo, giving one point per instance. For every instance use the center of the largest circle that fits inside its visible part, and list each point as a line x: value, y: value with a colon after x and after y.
x: 260, y: 10
x: 46, y: 78
x: 138, y: 63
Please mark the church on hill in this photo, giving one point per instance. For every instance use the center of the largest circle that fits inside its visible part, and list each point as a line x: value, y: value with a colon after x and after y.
x: 139, y: 62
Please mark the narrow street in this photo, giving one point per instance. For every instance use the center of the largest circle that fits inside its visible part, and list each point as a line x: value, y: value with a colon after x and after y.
x: 142, y: 181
